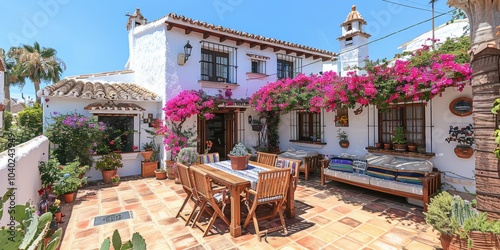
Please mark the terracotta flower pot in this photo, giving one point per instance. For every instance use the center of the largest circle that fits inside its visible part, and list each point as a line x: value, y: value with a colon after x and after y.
x: 378, y: 145
x: 107, y: 175
x: 239, y: 162
x: 146, y: 155
x: 445, y: 241
x: 58, y: 216
x: 344, y: 143
x: 400, y: 147
x: 387, y: 146
x: 161, y: 175
x: 412, y: 148
x: 69, y: 197
x: 463, y: 151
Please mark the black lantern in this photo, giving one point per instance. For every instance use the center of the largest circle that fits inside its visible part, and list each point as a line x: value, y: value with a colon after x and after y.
x: 187, y: 51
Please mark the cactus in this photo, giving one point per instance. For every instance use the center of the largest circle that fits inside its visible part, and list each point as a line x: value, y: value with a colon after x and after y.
x: 137, y: 242
x: 30, y: 228
x: 462, y: 210
x: 239, y: 150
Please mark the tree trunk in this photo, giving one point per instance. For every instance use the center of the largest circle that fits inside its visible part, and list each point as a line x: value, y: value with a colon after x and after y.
x: 37, y: 87
x: 6, y: 90
x: 484, y: 17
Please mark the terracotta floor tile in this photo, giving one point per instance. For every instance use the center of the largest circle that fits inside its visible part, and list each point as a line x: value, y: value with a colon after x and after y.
x: 347, y: 244
x: 371, y: 230
x: 184, y: 241
x: 332, y: 216
x: 360, y: 237
x: 350, y: 221
x: 326, y: 235
x: 339, y: 228
x: 311, y: 242
x: 382, y: 245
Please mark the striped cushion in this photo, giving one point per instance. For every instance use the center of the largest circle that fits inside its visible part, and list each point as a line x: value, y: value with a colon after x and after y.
x: 209, y: 158
x: 284, y: 163
x: 386, y: 173
x: 340, y: 167
x: 410, y: 176
x: 271, y: 198
x: 340, y: 164
x: 359, y: 166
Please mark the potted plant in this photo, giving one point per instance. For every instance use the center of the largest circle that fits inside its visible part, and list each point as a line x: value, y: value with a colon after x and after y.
x: 67, y: 186
x: 55, y: 209
x: 115, y: 180
x: 342, y: 136
x: 464, y: 136
x: 460, y: 224
x: 399, y: 139
x: 239, y: 157
x: 161, y: 173
x: 109, y: 165
x: 187, y: 156
x: 149, y: 165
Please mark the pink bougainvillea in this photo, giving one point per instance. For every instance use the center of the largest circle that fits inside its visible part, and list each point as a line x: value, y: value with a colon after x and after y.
x: 381, y: 85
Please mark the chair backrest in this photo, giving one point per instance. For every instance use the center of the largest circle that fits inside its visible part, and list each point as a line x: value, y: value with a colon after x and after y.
x: 209, y: 158
x: 292, y: 164
x: 185, y: 176
x: 266, y: 158
x: 201, y: 183
x: 272, y: 185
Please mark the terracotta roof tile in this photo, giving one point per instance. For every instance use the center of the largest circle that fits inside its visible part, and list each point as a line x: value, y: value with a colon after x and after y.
x: 86, y: 89
x: 241, y: 34
x: 354, y: 16
x: 111, y: 106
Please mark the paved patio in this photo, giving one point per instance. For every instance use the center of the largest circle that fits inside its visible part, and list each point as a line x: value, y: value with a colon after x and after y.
x: 334, y: 216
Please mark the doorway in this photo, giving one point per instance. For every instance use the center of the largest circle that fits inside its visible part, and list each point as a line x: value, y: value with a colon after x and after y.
x: 220, y: 130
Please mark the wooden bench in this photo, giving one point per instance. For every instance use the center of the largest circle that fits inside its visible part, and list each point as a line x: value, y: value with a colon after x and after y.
x: 430, y: 185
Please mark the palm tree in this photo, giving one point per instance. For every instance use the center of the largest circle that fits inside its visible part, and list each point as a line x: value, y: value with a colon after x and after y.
x: 40, y: 64
x: 12, y: 74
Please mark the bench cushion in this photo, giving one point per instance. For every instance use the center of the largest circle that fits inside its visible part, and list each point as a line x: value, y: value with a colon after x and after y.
x: 361, y: 178
x: 386, y: 173
x: 399, y: 186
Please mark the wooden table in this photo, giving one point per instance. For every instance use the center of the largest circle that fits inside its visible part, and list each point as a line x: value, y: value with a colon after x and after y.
x: 236, y: 186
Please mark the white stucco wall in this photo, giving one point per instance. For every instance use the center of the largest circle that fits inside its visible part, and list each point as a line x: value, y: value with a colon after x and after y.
x: 131, y: 161
x: 360, y: 137
x: 26, y: 177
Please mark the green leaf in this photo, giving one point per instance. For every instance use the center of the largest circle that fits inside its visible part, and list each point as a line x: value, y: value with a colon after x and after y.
x: 4, y: 199
x: 9, y: 241
x: 30, y: 232
x: 138, y: 242
x: 105, y: 244
x: 55, y: 240
x: 39, y: 239
x: 117, y: 240
x: 127, y: 246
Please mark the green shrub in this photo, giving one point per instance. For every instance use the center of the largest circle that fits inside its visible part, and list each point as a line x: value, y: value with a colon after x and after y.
x: 31, y: 119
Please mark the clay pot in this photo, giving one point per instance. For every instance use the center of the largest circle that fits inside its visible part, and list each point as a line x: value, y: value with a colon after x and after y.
x: 69, y: 197
x: 463, y: 151
x: 412, y: 148
x: 239, y: 162
x: 387, y: 146
x: 146, y: 155
x: 400, y: 147
x: 107, y: 174
x: 445, y: 241
x: 58, y: 216
x: 344, y: 143
x: 161, y: 175
x: 378, y: 145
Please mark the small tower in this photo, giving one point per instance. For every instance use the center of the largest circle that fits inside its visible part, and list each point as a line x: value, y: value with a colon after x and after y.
x: 353, y: 52
x: 135, y: 19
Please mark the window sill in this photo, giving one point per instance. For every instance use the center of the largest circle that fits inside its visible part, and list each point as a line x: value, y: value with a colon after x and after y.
x: 125, y: 156
x: 425, y: 156
x: 256, y: 76
x: 217, y: 85
x: 308, y: 144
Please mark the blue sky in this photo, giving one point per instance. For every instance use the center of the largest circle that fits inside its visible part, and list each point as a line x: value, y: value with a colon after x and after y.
x: 90, y: 36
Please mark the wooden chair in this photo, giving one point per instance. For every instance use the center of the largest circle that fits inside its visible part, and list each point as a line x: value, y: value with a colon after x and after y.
x: 294, y: 166
x: 209, y: 158
x: 272, y: 188
x: 311, y: 163
x: 186, y: 179
x: 209, y: 198
x: 267, y: 158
